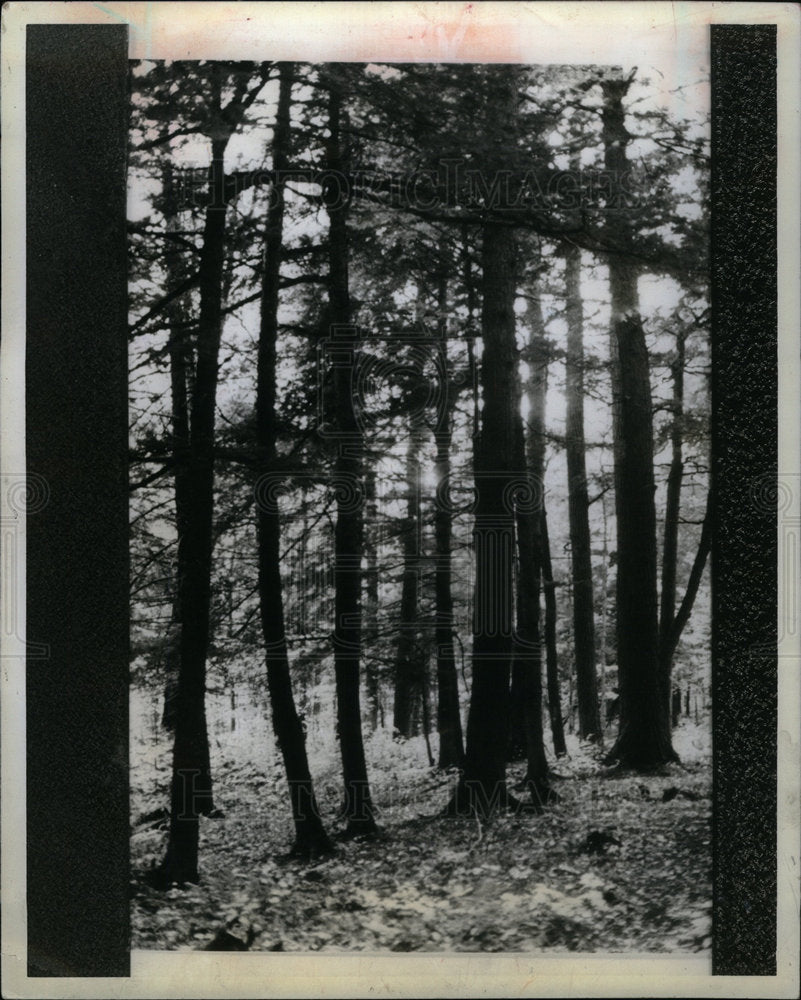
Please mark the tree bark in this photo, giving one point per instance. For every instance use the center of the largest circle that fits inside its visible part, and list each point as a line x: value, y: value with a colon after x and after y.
x: 527, y: 665
x: 644, y: 737
x: 310, y: 837
x: 578, y: 505
x: 482, y: 788
x: 531, y: 456
x: 409, y: 666
x: 371, y: 671
x: 180, y: 364
x: 349, y: 530
x: 449, y: 722
x: 191, y: 794
x: 551, y: 655
x: 667, y: 605
x: 667, y: 647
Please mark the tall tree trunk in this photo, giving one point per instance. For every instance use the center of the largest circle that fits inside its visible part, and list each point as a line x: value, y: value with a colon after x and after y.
x: 180, y: 364
x: 551, y: 655
x: 310, y: 837
x: 602, y: 640
x: 482, y: 788
x: 667, y: 605
x: 349, y: 530
x: 371, y: 671
x: 644, y: 737
x: 449, y: 722
x: 527, y: 666
x: 191, y: 794
x: 578, y: 505
x: 531, y: 456
x: 409, y: 658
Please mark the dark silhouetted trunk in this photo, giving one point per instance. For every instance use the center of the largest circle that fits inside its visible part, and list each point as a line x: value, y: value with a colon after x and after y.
x: 349, y: 529
x: 675, y: 707
x: 670, y: 624
x: 667, y: 606
x: 482, y: 787
x: 551, y: 655
x: 408, y: 661
x: 371, y: 671
x: 449, y: 722
x: 191, y: 794
x: 578, y: 505
x: 310, y: 837
x: 527, y: 667
x: 180, y: 365
x: 670, y: 641
x: 644, y: 737
x: 496, y: 466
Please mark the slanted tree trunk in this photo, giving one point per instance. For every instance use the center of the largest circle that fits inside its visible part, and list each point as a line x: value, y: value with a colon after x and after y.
x: 449, y: 722
x: 644, y: 737
x: 671, y: 625
x: 409, y: 666
x: 349, y: 530
x: 670, y: 641
x: 551, y: 655
x: 310, y: 837
x: 578, y: 505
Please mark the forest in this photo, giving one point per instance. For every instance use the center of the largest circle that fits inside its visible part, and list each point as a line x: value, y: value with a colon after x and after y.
x: 419, y: 447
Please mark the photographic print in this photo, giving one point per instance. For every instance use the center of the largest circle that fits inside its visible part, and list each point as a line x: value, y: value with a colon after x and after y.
x: 382, y: 360
x: 424, y: 423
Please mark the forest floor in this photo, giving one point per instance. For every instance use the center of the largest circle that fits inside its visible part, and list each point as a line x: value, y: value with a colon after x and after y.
x: 621, y: 863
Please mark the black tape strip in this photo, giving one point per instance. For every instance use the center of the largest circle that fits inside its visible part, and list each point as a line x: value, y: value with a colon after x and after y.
x: 744, y: 476
x: 77, y: 576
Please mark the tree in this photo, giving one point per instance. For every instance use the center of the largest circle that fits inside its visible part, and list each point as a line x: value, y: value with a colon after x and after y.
x: 180, y: 366
x: 671, y: 621
x: 191, y: 794
x: 644, y: 739
x: 409, y: 662
x: 482, y: 787
x: 371, y: 669
x: 310, y: 837
x: 578, y: 504
x: 449, y: 722
x: 551, y: 656
x: 531, y: 552
x: 349, y: 530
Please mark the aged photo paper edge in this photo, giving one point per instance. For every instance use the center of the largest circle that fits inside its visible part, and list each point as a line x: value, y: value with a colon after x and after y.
x: 173, y: 974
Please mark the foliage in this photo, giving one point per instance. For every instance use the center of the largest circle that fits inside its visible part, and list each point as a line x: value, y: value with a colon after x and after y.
x: 434, y: 884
